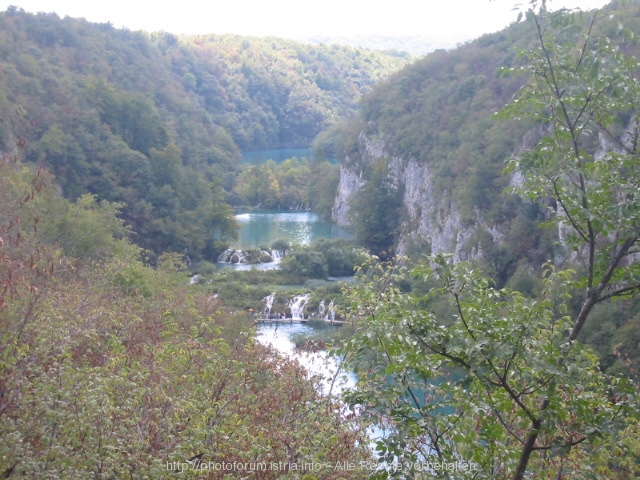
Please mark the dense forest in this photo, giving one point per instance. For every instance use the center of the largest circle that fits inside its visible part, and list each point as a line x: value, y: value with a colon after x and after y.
x: 440, y: 113
x: 157, y: 122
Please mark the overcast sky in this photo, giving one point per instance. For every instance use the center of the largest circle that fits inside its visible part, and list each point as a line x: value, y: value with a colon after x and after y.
x: 299, y: 18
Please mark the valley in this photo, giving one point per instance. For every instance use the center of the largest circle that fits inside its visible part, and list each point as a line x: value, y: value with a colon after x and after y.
x: 461, y: 230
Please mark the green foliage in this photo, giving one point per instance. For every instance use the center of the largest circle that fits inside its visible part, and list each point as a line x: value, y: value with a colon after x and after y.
x: 309, y: 263
x: 374, y: 212
x: 291, y: 184
x: 244, y: 289
x: 281, y: 244
x: 578, y: 96
x: 501, y: 380
x: 85, y: 229
x: 343, y: 256
x: 130, y: 116
x: 324, y: 258
x: 110, y: 369
x: 476, y: 385
x: 283, y: 93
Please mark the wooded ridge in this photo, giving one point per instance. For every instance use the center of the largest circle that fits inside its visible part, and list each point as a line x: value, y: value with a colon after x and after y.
x: 157, y: 121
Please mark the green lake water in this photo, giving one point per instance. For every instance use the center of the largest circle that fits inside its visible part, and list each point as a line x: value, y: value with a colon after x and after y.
x: 256, y: 157
x: 263, y: 227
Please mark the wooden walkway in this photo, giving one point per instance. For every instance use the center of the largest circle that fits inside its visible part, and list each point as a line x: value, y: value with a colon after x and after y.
x: 298, y: 320
x: 281, y: 320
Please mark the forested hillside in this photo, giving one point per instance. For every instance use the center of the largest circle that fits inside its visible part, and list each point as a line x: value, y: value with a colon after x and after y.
x: 432, y: 129
x: 157, y: 121
x: 422, y: 167
x: 509, y: 350
x: 437, y: 115
x: 508, y: 339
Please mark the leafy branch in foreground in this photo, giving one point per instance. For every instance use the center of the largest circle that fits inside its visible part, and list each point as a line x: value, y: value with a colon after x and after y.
x: 584, y: 92
x: 495, y: 380
x: 467, y: 372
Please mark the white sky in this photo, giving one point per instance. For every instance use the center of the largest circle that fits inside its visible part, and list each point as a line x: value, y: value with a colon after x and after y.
x: 299, y: 18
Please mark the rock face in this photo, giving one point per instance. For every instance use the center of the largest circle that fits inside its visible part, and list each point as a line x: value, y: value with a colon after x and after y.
x: 431, y: 221
x: 350, y: 182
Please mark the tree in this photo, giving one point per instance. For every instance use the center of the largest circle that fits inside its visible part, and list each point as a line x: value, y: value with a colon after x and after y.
x: 85, y: 229
x: 320, y: 191
x: 494, y: 379
x: 584, y: 89
x: 309, y: 263
x: 374, y: 211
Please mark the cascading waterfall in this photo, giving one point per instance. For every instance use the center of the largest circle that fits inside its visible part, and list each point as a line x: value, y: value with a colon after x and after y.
x: 276, y: 255
x: 232, y: 256
x: 296, y: 309
x: 243, y: 258
x: 331, y: 314
x: 269, y: 304
x: 297, y: 306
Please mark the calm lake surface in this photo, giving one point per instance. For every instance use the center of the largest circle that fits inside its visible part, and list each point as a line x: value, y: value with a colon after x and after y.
x: 256, y: 157
x: 263, y: 227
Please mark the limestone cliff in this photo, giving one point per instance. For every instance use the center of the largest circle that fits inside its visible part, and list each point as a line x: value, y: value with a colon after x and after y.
x: 431, y: 221
x: 432, y: 124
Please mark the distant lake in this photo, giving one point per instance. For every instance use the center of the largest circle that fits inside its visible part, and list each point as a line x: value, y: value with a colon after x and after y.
x: 263, y: 227
x: 256, y: 157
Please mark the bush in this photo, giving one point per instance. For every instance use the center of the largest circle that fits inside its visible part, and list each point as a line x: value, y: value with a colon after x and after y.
x: 204, y: 268
x: 311, y: 264
x: 325, y: 257
x: 281, y: 245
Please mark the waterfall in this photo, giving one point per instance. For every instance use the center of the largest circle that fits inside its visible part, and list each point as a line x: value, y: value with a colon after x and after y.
x: 297, y: 306
x: 248, y: 258
x: 331, y: 315
x: 224, y: 256
x: 328, y: 314
x: 295, y: 309
x: 232, y: 256
x: 268, y: 304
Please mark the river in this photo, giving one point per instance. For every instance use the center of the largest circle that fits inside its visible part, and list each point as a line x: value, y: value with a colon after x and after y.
x: 333, y: 380
x: 262, y: 228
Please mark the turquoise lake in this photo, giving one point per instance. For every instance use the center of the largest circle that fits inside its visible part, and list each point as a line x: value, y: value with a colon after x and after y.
x: 263, y: 227
x: 256, y: 157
